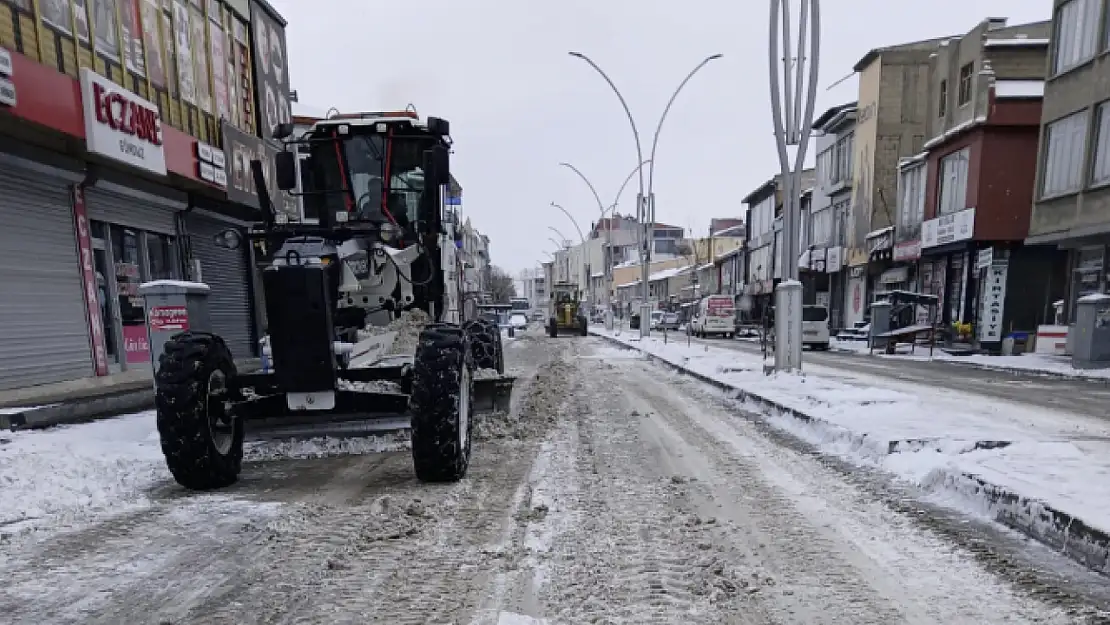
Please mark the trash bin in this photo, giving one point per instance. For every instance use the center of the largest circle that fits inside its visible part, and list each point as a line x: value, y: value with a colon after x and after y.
x: 172, y: 307
x: 634, y: 321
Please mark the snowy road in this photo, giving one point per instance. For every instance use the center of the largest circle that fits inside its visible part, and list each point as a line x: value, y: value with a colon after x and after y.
x: 615, y: 492
x: 1075, y: 395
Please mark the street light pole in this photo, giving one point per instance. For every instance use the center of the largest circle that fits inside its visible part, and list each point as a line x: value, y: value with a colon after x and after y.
x: 645, y: 204
x: 581, y: 236
x: 793, y: 126
x: 606, y: 253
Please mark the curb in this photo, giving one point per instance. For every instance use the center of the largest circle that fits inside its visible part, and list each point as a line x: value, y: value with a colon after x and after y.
x: 78, y: 411
x: 1053, y: 528
x: 1078, y: 377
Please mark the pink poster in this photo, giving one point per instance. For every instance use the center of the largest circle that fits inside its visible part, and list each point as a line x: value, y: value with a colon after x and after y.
x: 136, y: 345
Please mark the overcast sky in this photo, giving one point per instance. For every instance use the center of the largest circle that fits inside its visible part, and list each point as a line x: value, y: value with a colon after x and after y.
x: 518, y: 104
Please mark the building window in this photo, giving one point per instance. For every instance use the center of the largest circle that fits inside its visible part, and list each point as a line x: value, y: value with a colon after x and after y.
x: 953, y: 182
x: 911, y: 208
x: 1100, y: 170
x: 942, y: 106
x: 964, y: 96
x: 842, y: 159
x: 1063, y: 157
x: 1077, y: 23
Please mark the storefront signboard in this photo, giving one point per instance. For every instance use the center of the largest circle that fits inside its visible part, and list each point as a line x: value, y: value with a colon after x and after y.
x: 136, y: 344
x: 98, y: 343
x: 948, y: 229
x: 271, y: 69
x: 834, y: 259
x: 7, y: 87
x: 240, y: 149
x: 907, y: 250
x: 120, y: 125
x: 992, y: 302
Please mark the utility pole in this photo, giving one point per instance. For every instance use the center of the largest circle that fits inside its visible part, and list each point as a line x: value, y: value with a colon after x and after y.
x: 793, y: 124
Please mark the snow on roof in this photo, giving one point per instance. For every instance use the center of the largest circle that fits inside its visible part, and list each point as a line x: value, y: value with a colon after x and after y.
x: 705, y: 266
x: 1019, y: 89
x: 953, y: 131
x: 668, y: 273
x: 1016, y: 41
x: 879, y: 232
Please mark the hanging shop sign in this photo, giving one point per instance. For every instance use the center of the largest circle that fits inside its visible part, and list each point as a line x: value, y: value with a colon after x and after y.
x: 985, y: 258
x: 120, y: 125
x: 834, y: 259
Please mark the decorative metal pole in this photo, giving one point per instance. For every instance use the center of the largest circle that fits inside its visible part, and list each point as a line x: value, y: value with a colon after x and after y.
x: 793, y: 121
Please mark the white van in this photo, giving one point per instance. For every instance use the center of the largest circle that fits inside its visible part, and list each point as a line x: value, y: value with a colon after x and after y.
x: 716, y: 314
x: 815, y: 327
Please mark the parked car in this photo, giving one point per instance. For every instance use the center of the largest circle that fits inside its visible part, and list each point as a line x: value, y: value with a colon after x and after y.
x: 656, y: 319
x: 815, y: 327
x: 518, y: 321
x: 670, y: 321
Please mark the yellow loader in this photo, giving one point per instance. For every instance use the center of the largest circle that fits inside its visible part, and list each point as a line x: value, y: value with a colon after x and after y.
x: 566, y: 313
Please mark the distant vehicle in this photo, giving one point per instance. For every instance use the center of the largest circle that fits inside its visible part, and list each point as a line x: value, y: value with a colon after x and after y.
x: 715, y: 315
x: 537, y: 315
x: 518, y: 321
x: 815, y: 327
x: 656, y: 319
x: 670, y: 321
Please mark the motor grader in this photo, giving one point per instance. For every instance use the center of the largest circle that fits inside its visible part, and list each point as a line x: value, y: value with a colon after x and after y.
x: 566, y: 312
x: 384, y: 250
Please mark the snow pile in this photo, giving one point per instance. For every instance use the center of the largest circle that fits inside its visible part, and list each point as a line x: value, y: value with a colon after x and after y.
x: 324, y: 447
x: 407, y: 326
x: 76, y: 473
x: 535, y: 405
x: 940, y: 439
x: 374, y: 386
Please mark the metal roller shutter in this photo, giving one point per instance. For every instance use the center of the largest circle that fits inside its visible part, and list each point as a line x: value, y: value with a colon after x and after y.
x: 225, y: 272
x: 44, y: 335
x: 125, y: 210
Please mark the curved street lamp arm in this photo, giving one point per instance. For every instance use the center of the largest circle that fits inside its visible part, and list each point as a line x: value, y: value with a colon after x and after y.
x: 558, y: 246
x: 562, y: 237
x: 620, y: 191
x: 663, y: 117
x: 627, y: 111
x: 815, y: 58
x: 600, y: 206
x: 573, y: 221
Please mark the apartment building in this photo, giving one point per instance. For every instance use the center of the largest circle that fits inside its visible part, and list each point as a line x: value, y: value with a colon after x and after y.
x: 977, y: 165
x: 763, y: 236
x: 1071, y: 211
x: 831, y: 205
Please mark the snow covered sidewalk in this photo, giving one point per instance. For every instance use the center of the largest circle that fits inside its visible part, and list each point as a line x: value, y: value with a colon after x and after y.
x: 1044, y: 472
x: 1032, y: 364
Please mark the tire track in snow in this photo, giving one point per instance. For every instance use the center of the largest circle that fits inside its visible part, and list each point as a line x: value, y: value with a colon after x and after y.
x: 822, y: 539
x: 627, y: 546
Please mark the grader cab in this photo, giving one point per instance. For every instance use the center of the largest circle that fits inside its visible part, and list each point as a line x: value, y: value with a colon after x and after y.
x: 566, y: 312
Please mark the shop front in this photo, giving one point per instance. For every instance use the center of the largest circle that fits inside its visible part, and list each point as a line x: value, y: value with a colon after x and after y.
x: 855, y: 296
x: 948, y: 265
x: 43, y: 329
x: 228, y: 273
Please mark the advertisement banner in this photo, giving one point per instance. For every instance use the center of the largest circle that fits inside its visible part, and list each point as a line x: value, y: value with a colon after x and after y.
x: 136, y: 344
x: 186, y: 74
x: 88, y: 281
x: 131, y: 31
x: 152, y: 42
x: 168, y: 37
x: 106, y: 25
x: 271, y: 70
x: 219, y: 71
x: 240, y: 149
x: 55, y: 14
x: 197, y: 24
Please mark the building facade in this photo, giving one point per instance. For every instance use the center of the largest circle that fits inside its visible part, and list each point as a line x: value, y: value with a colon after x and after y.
x: 116, y: 125
x: 832, y: 197
x: 763, y: 240
x: 1071, y: 211
x: 979, y: 159
x: 892, y: 121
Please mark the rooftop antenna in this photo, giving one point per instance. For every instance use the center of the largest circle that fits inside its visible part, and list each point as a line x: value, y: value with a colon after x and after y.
x: 412, y: 107
x: 328, y: 114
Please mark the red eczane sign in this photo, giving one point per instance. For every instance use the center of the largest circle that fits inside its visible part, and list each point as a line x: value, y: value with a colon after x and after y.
x: 116, y: 111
